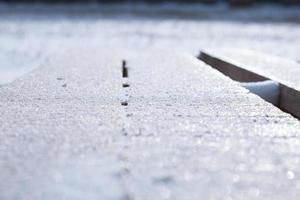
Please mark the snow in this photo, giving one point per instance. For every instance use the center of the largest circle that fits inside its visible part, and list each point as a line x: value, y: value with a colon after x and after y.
x: 28, y: 38
x: 187, y: 132
x: 268, y: 90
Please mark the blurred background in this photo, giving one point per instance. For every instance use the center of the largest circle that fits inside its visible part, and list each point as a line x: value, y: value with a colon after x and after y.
x: 34, y: 31
x: 232, y: 2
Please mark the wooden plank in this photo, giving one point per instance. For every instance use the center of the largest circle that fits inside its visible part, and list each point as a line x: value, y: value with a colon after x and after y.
x: 235, y: 72
x: 186, y: 131
x: 249, y: 66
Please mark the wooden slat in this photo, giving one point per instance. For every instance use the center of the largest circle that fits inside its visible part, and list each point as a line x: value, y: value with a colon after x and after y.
x: 249, y: 66
x: 186, y: 132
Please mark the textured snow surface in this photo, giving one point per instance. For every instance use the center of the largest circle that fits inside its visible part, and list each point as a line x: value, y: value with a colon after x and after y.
x: 280, y: 69
x: 30, y: 34
x: 268, y: 90
x: 188, y: 132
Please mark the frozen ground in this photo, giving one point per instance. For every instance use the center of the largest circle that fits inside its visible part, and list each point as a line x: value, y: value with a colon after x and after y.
x: 30, y: 34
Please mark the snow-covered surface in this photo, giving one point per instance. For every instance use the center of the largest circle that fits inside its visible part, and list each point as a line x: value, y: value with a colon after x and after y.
x: 30, y: 34
x: 279, y: 69
x: 268, y: 90
x: 188, y: 132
